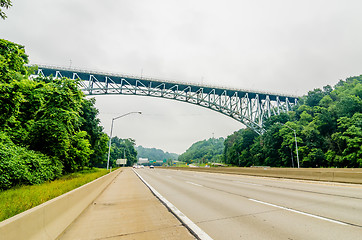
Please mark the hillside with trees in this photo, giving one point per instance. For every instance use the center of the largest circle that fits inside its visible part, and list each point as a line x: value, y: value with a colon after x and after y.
x: 47, y: 126
x: 328, y: 125
x: 210, y: 150
x: 155, y: 154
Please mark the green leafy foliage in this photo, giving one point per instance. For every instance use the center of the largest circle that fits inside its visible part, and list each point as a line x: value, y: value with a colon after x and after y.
x: 237, y: 147
x: 97, y: 138
x: 155, y: 154
x: 12, y: 60
x: 4, y: 4
x: 44, y: 121
x: 328, y: 127
x: 204, y: 151
x: 123, y: 149
x: 19, y: 165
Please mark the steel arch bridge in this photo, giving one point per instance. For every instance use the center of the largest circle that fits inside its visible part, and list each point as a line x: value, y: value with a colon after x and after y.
x: 248, y: 107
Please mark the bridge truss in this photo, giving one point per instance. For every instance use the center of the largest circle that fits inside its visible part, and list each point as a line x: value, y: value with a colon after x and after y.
x: 248, y: 107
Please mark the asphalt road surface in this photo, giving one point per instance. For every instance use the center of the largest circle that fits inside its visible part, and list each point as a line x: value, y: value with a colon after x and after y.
x: 245, y: 207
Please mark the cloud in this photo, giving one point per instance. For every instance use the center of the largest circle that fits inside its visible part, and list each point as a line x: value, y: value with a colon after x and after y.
x: 278, y: 46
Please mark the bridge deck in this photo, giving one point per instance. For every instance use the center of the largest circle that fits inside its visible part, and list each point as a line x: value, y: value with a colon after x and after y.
x: 251, y: 108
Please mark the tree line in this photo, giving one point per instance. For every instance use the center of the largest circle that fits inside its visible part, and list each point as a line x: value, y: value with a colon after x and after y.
x: 47, y: 126
x: 123, y: 149
x: 155, y: 154
x: 328, y: 126
x: 204, y: 151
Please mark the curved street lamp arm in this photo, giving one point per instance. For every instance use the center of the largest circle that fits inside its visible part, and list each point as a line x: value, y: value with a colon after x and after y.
x: 125, y: 115
x: 110, y: 136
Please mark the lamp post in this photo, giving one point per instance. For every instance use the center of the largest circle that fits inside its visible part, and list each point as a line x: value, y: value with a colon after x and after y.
x: 110, y: 137
x: 295, y: 139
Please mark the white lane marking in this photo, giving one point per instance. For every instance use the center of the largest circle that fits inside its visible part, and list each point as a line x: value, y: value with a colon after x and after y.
x: 195, y: 184
x: 296, y: 211
x: 190, y: 224
x: 246, y: 183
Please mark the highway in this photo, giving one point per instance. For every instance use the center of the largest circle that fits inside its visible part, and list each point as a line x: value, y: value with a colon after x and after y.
x: 246, y: 207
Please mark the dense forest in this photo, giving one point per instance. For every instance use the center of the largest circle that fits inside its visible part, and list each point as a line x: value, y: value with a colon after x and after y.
x: 210, y: 150
x: 47, y: 126
x: 155, y: 154
x: 328, y: 125
x: 123, y: 149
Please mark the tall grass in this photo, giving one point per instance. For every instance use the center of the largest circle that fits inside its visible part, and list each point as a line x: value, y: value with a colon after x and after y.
x: 22, y: 198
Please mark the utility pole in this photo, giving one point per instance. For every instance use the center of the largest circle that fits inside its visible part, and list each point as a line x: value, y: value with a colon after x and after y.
x: 296, y: 143
x: 110, y: 137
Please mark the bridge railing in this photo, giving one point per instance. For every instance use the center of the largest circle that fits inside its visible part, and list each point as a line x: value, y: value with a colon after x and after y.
x: 248, y: 107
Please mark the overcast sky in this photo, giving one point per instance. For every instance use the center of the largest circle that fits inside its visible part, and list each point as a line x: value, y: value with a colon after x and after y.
x: 290, y: 46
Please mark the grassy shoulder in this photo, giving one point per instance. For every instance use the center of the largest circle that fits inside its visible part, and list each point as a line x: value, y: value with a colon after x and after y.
x: 22, y: 198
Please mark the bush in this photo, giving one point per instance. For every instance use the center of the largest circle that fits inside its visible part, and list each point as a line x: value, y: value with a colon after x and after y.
x: 19, y: 165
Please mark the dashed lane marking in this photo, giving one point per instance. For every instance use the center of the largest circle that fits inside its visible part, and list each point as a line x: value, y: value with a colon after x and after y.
x: 296, y: 211
x: 194, y: 184
x: 246, y: 183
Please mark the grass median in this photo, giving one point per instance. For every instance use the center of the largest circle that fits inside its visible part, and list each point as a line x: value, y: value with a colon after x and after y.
x: 19, y: 199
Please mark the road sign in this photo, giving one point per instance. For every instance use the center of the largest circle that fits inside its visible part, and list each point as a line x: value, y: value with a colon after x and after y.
x: 121, y: 161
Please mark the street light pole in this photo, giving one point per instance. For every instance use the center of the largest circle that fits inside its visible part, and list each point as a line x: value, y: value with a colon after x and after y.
x: 295, y: 139
x: 110, y: 137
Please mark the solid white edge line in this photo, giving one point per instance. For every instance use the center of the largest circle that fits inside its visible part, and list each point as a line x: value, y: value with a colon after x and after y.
x: 182, y: 217
x: 296, y: 211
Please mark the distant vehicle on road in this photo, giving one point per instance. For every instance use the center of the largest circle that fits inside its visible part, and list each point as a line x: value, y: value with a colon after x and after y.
x: 152, y: 166
x: 138, y: 166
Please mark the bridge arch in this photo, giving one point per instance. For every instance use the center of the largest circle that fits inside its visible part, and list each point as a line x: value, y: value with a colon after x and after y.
x: 248, y: 107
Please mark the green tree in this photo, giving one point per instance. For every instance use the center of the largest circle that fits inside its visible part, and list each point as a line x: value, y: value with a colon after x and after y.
x: 237, y: 148
x: 327, y: 128
x: 79, y: 152
x: 10, y: 101
x: 46, y: 125
x: 97, y: 138
x: 12, y: 61
x: 19, y: 165
x: 123, y: 149
x: 347, y: 151
x: 155, y: 154
x: 314, y: 97
x: 203, y: 151
x: 4, y: 4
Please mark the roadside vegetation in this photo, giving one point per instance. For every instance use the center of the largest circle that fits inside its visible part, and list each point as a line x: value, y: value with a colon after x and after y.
x: 204, y: 151
x: 123, y: 149
x: 328, y: 125
x: 51, y: 140
x: 48, y: 127
x: 155, y: 154
x: 22, y: 198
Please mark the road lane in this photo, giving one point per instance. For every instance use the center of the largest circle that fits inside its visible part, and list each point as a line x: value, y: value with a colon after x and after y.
x: 243, y: 207
x: 295, y: 197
